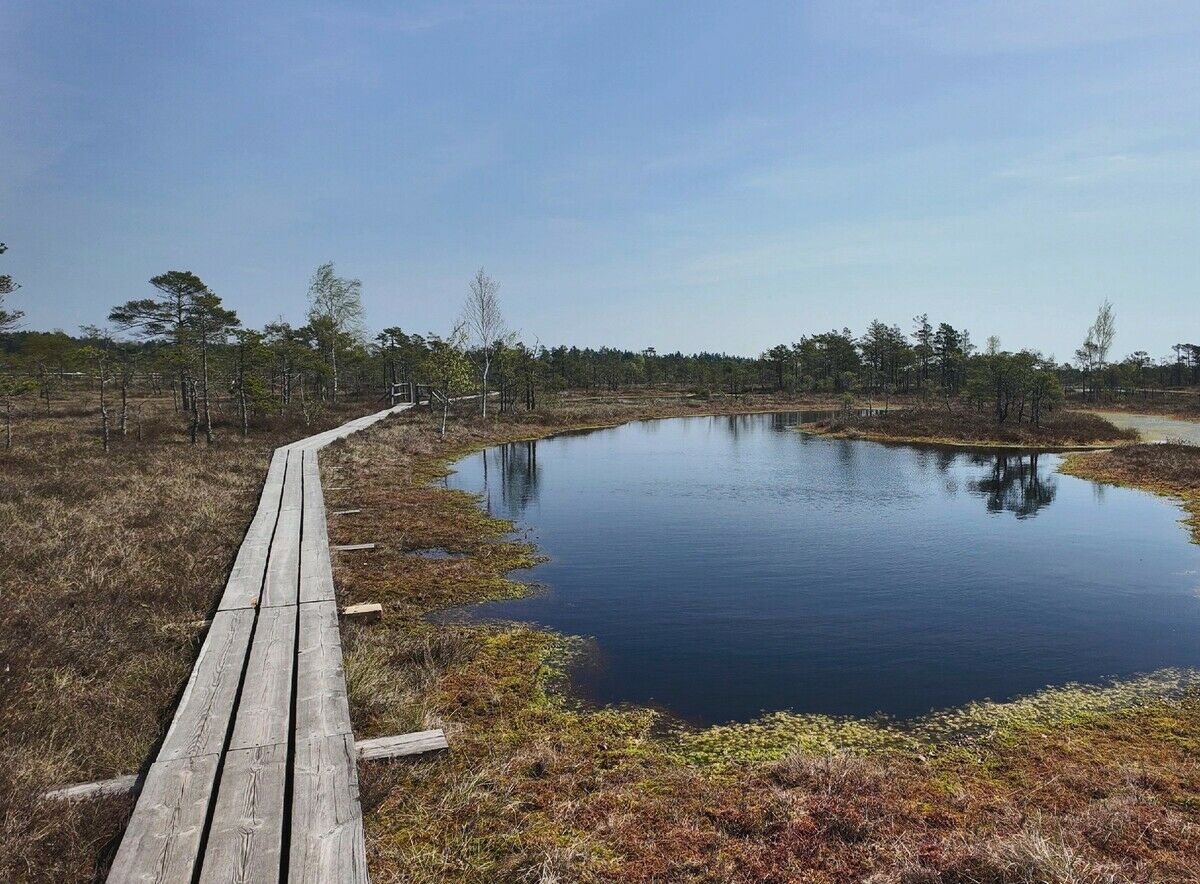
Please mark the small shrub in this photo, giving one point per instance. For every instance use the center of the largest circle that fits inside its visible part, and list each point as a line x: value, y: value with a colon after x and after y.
x: 835, y: 774
x: 1028, y: 857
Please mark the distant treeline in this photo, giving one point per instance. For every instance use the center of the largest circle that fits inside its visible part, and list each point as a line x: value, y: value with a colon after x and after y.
x: 835, y: 361
x: 183, y: 342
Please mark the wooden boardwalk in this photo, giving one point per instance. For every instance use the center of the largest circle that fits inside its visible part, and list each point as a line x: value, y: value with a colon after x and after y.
x: 256, y: 779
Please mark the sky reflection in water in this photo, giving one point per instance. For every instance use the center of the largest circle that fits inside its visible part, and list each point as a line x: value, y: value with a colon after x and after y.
x: 728, y: 566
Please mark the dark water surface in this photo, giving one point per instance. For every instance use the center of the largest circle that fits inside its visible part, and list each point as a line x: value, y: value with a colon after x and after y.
x: 728, y: 566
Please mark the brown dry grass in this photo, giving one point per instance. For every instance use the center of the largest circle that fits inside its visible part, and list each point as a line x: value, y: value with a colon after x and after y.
x: 1184, y: 404
x: 1169, y: 466
x: 965, y: 426
x: 104, y: 561
x: 537, y: 788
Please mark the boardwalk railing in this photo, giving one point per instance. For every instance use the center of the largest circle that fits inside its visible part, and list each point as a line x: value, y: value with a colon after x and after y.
x: 408, y: 392
x: 256, y: 778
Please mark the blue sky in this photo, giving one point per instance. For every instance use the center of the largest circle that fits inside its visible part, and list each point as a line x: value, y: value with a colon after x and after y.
x: 697, y: 176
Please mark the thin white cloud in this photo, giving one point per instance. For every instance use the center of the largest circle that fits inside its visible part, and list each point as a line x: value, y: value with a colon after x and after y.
x: 1104, y: 157
x: 395, y: 21
x: 419, y: 17
x: 953, y: 27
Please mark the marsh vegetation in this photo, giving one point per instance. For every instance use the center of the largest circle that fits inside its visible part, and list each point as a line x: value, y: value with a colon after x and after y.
x: 1077, y: 784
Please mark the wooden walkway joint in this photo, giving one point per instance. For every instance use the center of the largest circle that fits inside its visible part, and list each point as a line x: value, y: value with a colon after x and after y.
x: 256, y: 779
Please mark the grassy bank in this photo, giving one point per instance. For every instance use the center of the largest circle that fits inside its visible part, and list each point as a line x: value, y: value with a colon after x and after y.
x: 1081, y: 784
x: 962, y: 425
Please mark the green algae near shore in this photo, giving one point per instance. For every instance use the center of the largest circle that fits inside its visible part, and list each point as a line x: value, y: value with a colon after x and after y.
x: 778, y: 734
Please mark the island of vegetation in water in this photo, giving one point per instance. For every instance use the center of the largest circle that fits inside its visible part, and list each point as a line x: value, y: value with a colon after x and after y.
x: 997, y: 398
x: 964, y: 423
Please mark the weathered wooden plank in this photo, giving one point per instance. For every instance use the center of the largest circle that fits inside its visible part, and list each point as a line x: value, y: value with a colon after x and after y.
x: 276, y: 469
x: 162, y: 841
x: 264, y: 711
x: 312, y: 478
x: 317, y: 582
x: 245, y: 583
x: 263, y: 523
x: 316, y: 574
x: 327, y: 841
x: 273, y: 483
x: 245, y: 842
x: 96, y: 789
x: 351, y: 427
x: 201, y: 720
x: 283, y: 567
x: 316, y: 585
x: 321, y: 706
x: 351, y: 547
x: 293, y: 488
x: 262, y: 526
x: 403, y: 744
x: 365, y: 613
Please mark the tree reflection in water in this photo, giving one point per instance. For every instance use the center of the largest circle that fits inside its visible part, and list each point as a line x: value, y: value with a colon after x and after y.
x: 517, y: 483
x: 1014, y: 484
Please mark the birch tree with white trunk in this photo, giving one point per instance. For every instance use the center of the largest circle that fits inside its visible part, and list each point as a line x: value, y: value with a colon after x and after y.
x: 1103, y: 330
x: 1101, y: 335
x: 335, y: 311
x: 486, y: 327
